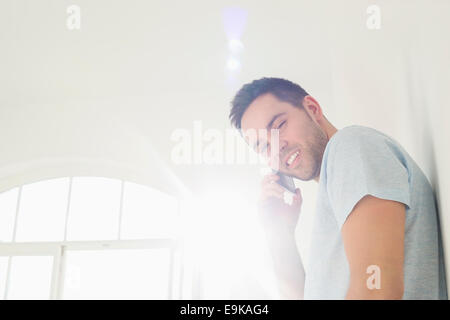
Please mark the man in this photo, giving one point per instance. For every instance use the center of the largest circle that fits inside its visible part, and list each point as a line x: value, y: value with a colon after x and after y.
x: 376, y: 229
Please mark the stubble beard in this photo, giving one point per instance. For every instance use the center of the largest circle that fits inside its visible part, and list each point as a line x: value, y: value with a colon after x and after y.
x: 314, y: 150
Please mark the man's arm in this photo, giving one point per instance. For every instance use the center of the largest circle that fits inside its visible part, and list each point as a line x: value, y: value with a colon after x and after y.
x: 288, y: 266
x: 373, y: 234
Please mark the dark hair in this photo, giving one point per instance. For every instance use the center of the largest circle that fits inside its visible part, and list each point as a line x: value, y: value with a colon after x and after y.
x: 283, y: 89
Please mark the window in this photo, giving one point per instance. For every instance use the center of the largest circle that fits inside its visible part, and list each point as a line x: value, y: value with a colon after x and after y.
x: 8, y: 202
x: 42, y: 211
x: 94, y: 209
x: 89, y: 238
x: 3, y: 270
x: 30, y: 277
x: 93, y: 274
x: 137, y: 220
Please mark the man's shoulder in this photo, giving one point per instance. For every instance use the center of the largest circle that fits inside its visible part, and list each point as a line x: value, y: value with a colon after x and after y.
x: 353, y: 136
x: 364, y: 147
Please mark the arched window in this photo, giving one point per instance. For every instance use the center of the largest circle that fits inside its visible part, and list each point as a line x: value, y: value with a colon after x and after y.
x: 89, y: 238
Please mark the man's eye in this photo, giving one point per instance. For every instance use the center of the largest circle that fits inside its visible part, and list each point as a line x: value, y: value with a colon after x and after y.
x: 281, y: 124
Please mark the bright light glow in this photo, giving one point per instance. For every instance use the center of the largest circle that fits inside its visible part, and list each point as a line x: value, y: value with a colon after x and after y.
x: 147, y: 213
x: 235, y: 45
x: 233, y: 64
x: 227, y: 241
x: 117, y: 274
x: 30, y: 277
x: 94, y: 209
x: 8, y: 202
x: 234, y: 21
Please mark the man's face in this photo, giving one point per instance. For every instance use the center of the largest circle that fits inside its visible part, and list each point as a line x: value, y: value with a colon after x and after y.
x: 301, y: 142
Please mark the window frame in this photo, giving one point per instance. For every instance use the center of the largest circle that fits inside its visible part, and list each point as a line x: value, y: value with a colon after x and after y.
x: 58, y: 249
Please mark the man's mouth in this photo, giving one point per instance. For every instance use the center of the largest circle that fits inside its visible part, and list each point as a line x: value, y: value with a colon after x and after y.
x: 292, y: 159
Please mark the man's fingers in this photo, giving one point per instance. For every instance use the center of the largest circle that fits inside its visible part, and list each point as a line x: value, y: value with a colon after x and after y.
x: 272, y: 191
x: 269, y: 188
x: 270, y: 194
x: 274, y: 187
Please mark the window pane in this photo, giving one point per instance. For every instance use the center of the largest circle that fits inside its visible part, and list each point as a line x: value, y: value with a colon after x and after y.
x: 147, y: 213
x: 30, y: 277
x: 3, y: 270
x: 117, y: 274
x: 8, y: 202
x: 42, y: 210
x: 94, y: 209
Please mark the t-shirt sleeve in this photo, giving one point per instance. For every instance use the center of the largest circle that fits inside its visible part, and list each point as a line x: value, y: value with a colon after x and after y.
x: 364, y: 164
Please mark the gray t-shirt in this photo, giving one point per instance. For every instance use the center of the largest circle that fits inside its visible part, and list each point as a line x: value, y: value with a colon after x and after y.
x: 359, y: 161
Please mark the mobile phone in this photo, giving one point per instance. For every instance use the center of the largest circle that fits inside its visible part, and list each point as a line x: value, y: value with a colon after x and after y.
x: 285, y: 181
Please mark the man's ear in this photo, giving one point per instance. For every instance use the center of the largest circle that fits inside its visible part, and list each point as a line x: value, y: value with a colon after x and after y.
x: 312, y: 108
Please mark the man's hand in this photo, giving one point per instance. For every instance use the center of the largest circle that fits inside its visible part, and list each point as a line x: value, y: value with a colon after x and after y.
x: 279, y: 220
x: 373, y: 235
x: 276, y: 215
